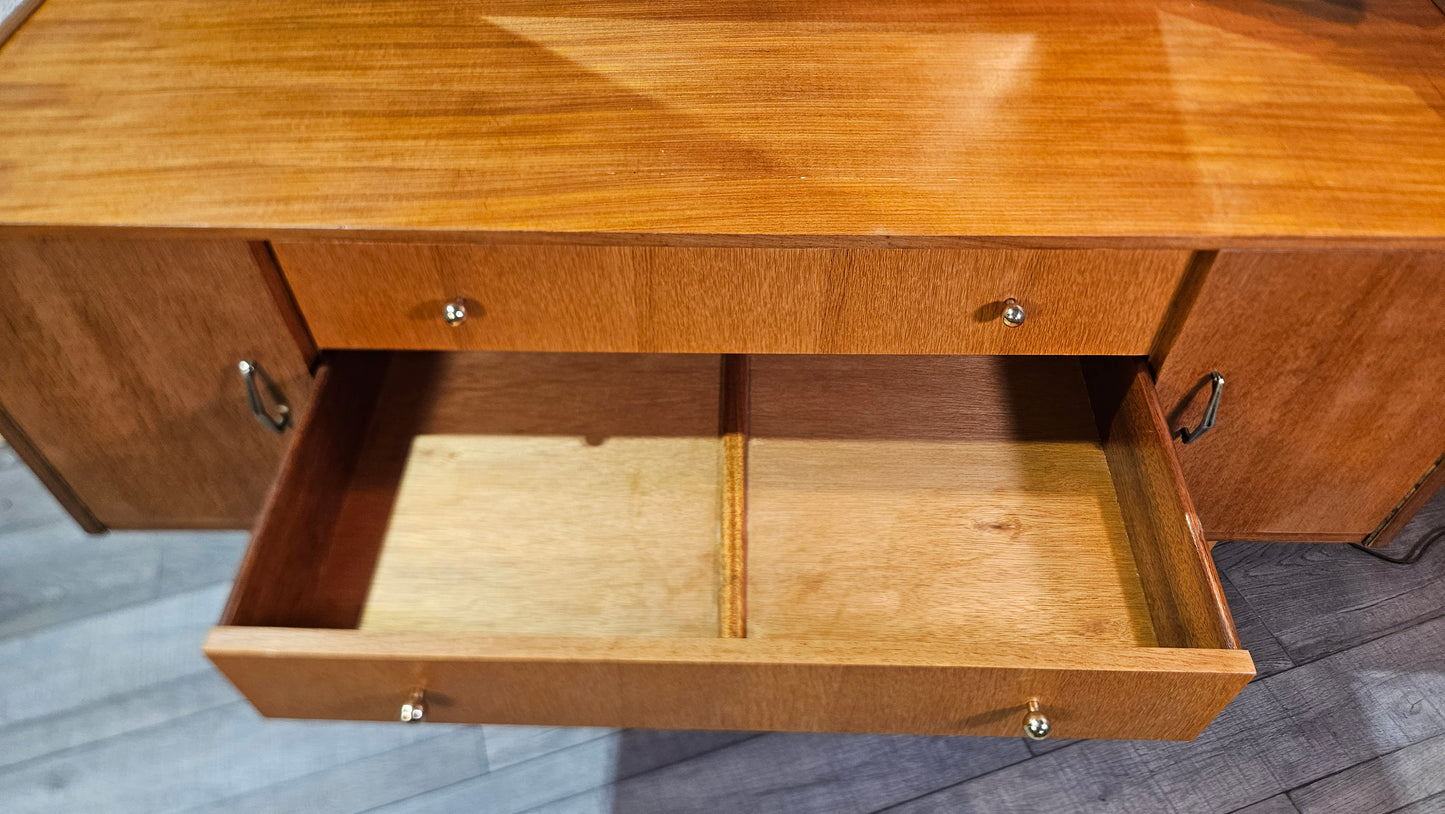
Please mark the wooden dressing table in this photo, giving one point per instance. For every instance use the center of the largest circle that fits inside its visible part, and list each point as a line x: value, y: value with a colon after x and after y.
x: 825, y: 366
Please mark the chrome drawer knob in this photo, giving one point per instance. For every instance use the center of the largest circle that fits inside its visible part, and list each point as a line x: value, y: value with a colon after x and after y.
x: 1036, y: 724
x: 414, y: 709
x: 1013, y: 313
x: 455, y: 312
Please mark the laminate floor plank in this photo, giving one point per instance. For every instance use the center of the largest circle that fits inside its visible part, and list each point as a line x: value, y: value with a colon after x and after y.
x: 1306, y: 723
x: 1224, y: 768
x: 204, y: 757
x: 24, y: 503
x: 444, y: 755
x: 558, y: 775
x: 1278, y: 804
x: 1218, y: 772
x: 1255, y: 636
x: 1320, y: 599
x: 80, y: 663
x: 1105, y: 777
x: 1357, y: 705
x: 1381, y: 785
x: 52, y: 572
x: 1037, y: 748
x: 507, y: 745
x: 154, y: 705
x: 788, y: 772
x: 1430, y: 805
x: 56, y: 573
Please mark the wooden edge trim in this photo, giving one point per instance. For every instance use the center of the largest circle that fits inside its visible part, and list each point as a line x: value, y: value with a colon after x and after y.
x: 275, y: 642
x: 1281, y: 537
x: 1182, y: 588
x: 281, y: 294
x: 17, y: 18
x: 732, y: 610
x: 1182, y: 303
x: 293, y: 531
x: 1412, y: 503
x: 1202, y: 241
x: 49, y: 476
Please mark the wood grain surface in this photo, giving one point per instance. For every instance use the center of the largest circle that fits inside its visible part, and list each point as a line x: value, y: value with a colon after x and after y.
x: 952, y: 498
x: 1186, y: 599
x: 120, y: 369
x: 1330, y: 411
x: 559, y: 532
x: 521, y: 492
x: 1090, y: 119
x: 579, y: 298
x: 280, y: 580
x: 724, y: 683
x: 736, y: 426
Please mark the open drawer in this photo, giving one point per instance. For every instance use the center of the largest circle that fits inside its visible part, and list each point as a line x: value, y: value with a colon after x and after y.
x: 845, y: 543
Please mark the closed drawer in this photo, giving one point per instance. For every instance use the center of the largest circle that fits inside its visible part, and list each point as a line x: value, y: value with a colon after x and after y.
x: 692, y: 300
x: 864, y: 544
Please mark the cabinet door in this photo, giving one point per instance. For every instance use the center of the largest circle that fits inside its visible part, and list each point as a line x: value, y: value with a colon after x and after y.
x: 120, y: 369
x: 1331, y: 411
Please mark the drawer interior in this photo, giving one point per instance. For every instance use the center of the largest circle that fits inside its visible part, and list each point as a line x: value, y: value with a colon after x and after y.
x: 964, y: 498
x: 971, y: 500
x: 550, y: 495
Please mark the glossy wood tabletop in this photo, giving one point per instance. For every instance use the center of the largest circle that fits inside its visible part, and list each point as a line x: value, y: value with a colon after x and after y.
x: 1200, y: 122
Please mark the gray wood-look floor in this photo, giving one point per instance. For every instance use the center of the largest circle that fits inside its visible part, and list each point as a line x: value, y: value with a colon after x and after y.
x: 106, y: 705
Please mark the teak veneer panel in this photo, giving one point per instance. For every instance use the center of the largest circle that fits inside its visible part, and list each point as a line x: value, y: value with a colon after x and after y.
x: 942, y: 688
x: 119, y: 367
x: 731, y: 300
x: 1142, y: 120
x: 1331, y: 408
x: 553, y: 535
x: 1186, y: 599
x: 554, y: 495
x: 961, y: 498
x: 283, y: 579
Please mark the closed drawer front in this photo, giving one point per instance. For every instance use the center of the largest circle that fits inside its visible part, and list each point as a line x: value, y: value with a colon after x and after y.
x: 694, y: 300
x: 886, y: 544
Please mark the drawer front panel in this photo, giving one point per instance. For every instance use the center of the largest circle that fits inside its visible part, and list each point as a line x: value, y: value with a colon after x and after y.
x: 912, y: 687
x: 686, y: 300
